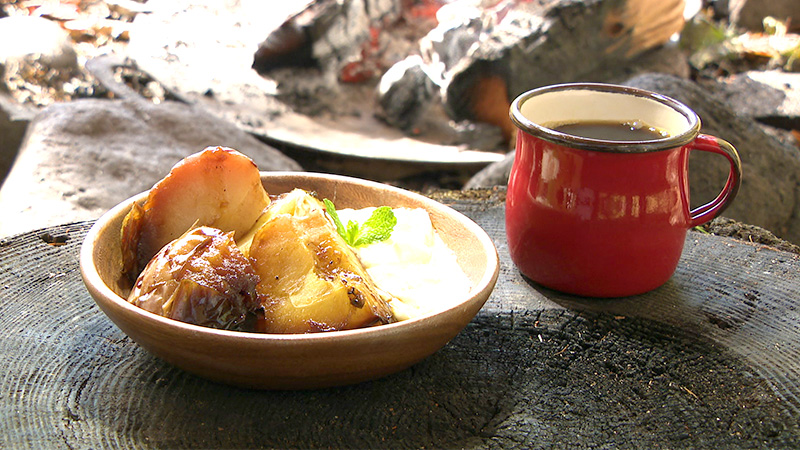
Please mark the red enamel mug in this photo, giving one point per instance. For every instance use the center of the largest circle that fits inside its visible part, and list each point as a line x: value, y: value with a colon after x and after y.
x: 602, y: 217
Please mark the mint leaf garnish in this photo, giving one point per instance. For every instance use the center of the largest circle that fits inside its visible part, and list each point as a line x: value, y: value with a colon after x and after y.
x: 335, y: 216
x: 352, y: 232
x: 378, y: 227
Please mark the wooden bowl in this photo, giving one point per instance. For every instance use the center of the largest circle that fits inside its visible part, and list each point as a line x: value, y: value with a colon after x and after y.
x: 297, y: 361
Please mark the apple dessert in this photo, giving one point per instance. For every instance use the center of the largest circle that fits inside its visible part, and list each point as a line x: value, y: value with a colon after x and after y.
x: 209, y: 246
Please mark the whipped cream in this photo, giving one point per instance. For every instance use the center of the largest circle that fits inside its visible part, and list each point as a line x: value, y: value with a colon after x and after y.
x: 414, y: 264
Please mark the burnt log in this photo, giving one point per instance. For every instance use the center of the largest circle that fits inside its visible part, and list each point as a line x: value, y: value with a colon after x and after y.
x: 325, y: 33
x: 405, y: 93
x: 288, y: 46
x: 539, y: 43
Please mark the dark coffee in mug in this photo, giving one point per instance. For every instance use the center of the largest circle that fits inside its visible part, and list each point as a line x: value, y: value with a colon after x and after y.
x: 612, y: 131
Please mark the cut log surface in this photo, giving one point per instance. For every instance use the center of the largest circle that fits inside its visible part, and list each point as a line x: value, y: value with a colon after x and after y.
x: 709, y: 360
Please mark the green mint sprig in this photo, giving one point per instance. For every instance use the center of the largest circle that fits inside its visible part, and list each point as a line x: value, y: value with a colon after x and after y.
x: 378, y: 227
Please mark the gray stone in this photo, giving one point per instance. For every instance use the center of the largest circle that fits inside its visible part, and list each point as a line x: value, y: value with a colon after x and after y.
x: 39, y: 37
x: 770, y: 192
x: 14, y: 119
x: 495, y: 174
x: 80, y: 158
x: 771, y: 97
x: 750, y: 14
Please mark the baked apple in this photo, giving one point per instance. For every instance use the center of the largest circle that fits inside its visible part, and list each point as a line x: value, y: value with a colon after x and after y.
x: 218, y: 187
x: 200, y: 278
x: 310, y: 279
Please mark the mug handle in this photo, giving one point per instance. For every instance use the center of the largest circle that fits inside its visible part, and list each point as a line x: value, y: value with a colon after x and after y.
x: 714, y: 208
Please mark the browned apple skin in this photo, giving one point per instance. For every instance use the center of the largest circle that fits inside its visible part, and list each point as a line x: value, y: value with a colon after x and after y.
x: 311, y: 280
x: 218, y: 187
x: 200, y: 278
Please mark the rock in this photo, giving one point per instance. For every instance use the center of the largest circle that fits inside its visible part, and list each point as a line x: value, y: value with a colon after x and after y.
x: 14, y: 119
x: 771, y: 97
x: 749, y: 14
x: 495, y: 174
x: 80, y: 158
x: 770, y: 192
x: 36, y: 37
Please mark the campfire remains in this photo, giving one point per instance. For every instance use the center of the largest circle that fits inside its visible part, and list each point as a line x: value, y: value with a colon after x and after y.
x: 467, y: 57
x: 409, y: 92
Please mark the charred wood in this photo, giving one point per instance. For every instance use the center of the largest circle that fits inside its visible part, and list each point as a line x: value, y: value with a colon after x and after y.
x: 287, y: 46
x: 481, y: 59
x: 404, y: 94
x: 538, y: 44
x: 325, y: 33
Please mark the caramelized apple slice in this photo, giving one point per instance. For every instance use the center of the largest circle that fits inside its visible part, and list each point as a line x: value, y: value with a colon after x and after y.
x: 200, y: 278
x: 311, y: 280
x: 218, y: 187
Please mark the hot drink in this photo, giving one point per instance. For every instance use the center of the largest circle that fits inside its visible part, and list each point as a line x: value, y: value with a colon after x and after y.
x: 598, y: 195
x: 613, y: 131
